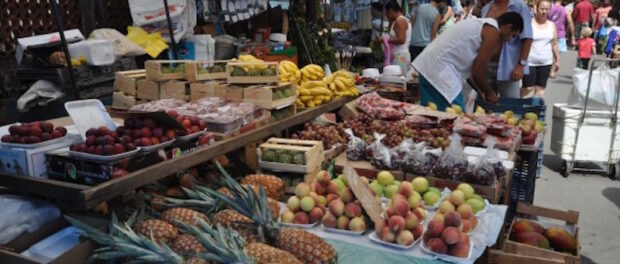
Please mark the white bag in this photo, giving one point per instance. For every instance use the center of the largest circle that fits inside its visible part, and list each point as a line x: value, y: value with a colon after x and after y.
x: 122, y: 45
x: 602, y: 88
x: 145, y: 12
x: 182, y: 14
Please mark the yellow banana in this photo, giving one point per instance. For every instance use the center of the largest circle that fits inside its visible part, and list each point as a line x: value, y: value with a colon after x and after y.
x: 303, y: 92
x: 339, y: 84
x: 305, y: 98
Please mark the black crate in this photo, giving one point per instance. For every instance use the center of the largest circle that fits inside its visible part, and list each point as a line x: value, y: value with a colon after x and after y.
x: 523, y: 183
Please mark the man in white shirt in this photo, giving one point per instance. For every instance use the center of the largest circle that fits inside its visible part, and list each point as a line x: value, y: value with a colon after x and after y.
x: 461, y: 52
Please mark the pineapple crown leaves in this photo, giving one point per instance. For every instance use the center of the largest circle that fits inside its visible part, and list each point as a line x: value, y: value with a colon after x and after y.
x: 224, y: 245
x: 126, y: 243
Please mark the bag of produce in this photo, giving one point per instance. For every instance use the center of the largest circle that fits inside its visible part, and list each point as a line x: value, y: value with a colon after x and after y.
x: 468, y: 127
x: 488, y: 169
x: 420, y: 160
x: 380, y: 155
x: 399, y: 152
x: 356, y: 148
x: 452, y: 163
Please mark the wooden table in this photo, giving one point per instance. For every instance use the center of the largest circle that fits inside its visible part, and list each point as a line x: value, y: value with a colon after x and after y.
x: 73, y: 196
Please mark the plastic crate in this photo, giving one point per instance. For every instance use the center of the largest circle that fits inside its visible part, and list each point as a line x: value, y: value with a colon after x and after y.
x: 523, y: 182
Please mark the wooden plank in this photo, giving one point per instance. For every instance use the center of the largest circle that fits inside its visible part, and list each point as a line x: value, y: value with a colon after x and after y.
x: 571, y: 217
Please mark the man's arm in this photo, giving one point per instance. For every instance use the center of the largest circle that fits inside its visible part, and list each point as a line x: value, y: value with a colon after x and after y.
x: 555, y: 48
x: 571, y: 27
x: 435, y: 26
x: 400, y: 27
x: 490, y: 44
x: 526, y: 43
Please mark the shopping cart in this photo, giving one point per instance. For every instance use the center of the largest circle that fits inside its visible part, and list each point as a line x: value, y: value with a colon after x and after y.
x: 582, y: 136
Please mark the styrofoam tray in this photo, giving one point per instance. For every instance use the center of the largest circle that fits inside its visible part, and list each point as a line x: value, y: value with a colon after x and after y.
x: 192, y: 136
x: 342, y: 231
x: 33, y: 146
x: 479, y: 152
x: 55, y: 245
x: 308, y: 226
x: 103, y: 158
x: 88, y: 114
x: 434, y: 207
x: 448, y: 257
x: 156, y: 147
x: 375, y: 238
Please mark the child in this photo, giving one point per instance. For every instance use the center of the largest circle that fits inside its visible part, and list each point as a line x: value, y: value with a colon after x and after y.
x: 587, y: 47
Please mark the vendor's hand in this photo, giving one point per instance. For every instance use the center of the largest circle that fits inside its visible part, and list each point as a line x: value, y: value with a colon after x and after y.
x: 491, y: 97
x: 517, y: 73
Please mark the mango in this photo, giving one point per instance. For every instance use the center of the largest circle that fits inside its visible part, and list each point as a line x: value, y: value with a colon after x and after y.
x: 532, y: 239
x: 523, y: 225
x: 560, y: 239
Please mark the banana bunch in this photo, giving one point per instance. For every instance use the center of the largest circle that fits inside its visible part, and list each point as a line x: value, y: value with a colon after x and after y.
x: 341, y: 84
x: 311, y: 72
x: 313, y: 93
x: 249, y: 58
x: 289, y: 72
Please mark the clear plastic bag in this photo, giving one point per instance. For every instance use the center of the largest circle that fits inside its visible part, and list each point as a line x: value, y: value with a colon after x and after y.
x: 399, y: 152
x: 380, y: 155
x: 488, y: 169
x: 20, y: 214
x: 356, y: 148
x: 452, y: 164
x: 467, y: 127
x: 420, y: 160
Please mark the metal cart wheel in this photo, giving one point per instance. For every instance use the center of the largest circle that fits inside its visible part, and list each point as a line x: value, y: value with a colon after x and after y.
x: 614, y: 172
x: 567, y: 167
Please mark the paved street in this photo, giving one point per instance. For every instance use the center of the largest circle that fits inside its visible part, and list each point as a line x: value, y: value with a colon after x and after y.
x: 596, y: 197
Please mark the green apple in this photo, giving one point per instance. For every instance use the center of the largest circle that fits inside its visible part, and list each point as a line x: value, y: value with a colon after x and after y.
x: 435, y: 190
x: 390, y: 190
x: 476, y: 196
x: 476, y: 205
x: 414, y: 200
x: 467, y: 190
x: 343, y: 179
x: 340, y: 184
x: 377, y: 187
x: 385, y: 178
x: 420, y: 184
x: 431, y: 198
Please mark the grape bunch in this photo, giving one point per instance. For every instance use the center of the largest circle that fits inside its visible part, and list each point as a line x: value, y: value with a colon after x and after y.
x: 329, y: 135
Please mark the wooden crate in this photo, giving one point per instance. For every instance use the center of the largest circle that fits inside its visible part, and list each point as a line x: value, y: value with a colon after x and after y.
x: 126, y: 81
x: 252, y: 79
x: 155, y: 70
x: 364, y: 168
x: 229, y: 92
x: 147, y: 90
x: 173, y: 90
x: 522, y: 253
x: 313, y: 153
x: 265, y: 95
x: 122, y: 100
x: 492, y: 193
x: 279, y: 115
x: 196, y: 70
x: 198, y: 90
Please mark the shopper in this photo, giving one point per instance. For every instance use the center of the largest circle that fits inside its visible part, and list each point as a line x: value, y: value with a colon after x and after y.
x: 508, y: 66
x: 586, y: 47
x: 561, y: 20
x: 601, y: 13
x: 425, y: 23
x: 462, y: 52
x: 582, y: 15
x: 543, y: 54
x: 447, y: 15
x: 399, y: 35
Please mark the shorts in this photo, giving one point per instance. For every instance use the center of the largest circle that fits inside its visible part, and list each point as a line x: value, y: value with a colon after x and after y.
x: 538, y: 76
x: 506, y: 89
x: 428, y: 93
x: 578, y: 27
x: 562, y: 45
x: 583, y: 63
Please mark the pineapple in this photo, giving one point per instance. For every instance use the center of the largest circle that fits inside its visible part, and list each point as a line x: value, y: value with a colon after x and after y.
x: 275, y: 206
x: 265, y: 254
x: 196, y: 261
x: 187, y: 245
x: 304, y: 245
x: 240, y: 223
x: 184, y: 215
x: 161, y: 231
x: 273, y: 185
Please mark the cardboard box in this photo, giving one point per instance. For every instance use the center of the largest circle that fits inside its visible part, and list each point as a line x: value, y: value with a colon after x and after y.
x: 126, y: 81
x: 229, y: 92
x: 147, y: 90
x: 122, y: 100
x: 199, y: 90
x: 173, y: 90
x: 31, y: 162
x: 264, y: 95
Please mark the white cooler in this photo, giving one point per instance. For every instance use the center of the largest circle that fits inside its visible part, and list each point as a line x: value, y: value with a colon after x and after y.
x: 594, y: 137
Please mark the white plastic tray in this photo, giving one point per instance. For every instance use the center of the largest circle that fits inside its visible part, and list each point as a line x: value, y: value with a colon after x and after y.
x: 448, y: 257
x: 375, y: 238
x: 156, y: 147
x: 88, y: 114
x: 342, y: 231
x: 192, y: 136
x: 103, y: 158
x: 33, y: 146
x: 308, y: 226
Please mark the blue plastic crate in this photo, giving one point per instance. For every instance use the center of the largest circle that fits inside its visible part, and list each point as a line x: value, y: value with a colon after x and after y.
x: 523, y: 182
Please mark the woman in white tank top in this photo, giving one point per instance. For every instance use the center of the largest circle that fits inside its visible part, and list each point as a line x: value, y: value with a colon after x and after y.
x: 400, y: 37
x: 543, y: 54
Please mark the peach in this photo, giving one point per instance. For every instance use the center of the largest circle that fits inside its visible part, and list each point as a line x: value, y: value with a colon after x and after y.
x: 332, y: 188
x: 288, y: 216
x: 293, y: 203
x: 465, y: 210
x: 352, y: 210
x: 330, y: 197
x: 417, y: 231
x: 301, y: 218
x: 387, y: 235
x: 420, y: 212
x: 329, y: 220
x: 336, y: 207
x: 437, y: 246
x: 380, y: 224
x: 435, y: 228
x: 459, y: 250
x: 404, y: 238
x: 457, y: 197
x: 452, y: 219
x: 390, y: 211
x: 464, y: 238
x: 316, y: 214
x: 446, y: 206
x: 307, y: 204
x: 439, y: 217
x: 357, y: 224
x: 396, y: 223
x: 405, y: 188
x: 474, y: 222
x: 318, y: 188
x: 321, y: 201
x: 401, y: 206
x: 323, y: 177
x: 411, y: 221
x: 398, y: 196
x: 426, y: 237
x: 466, y: 226
x: 346, y: 195
x: 302, y: 190
x: 451, y: 235
x: 342, y: 222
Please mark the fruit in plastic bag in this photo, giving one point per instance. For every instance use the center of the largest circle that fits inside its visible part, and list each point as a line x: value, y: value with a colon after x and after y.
x: 380, y: 155
x: 452, y: 164
x: 356, y: 148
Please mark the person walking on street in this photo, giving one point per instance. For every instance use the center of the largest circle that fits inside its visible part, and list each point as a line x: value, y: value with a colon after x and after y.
x: 586, y: 47
x: 399, y: 35
x: 582, y: 15
x: 544, y: 52
x: 509, y: 64
x: 425, y: 23
x: 601, y: 13
x: 463, y: 52
x: 561, y: 20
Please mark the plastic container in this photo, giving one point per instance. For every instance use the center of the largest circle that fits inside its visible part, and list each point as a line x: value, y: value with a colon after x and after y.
x: 308, y: 226
x: 55, y: 245
x: 89, y: 156
x: 523, y: 182
x: 375, y: 238
x: 343, y: 232
x: 88, y: 114
x: 97, y: 52
x: 448, y: 257
x: 156, y: 147
x: 219, y: 126
x: 33, y: 146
